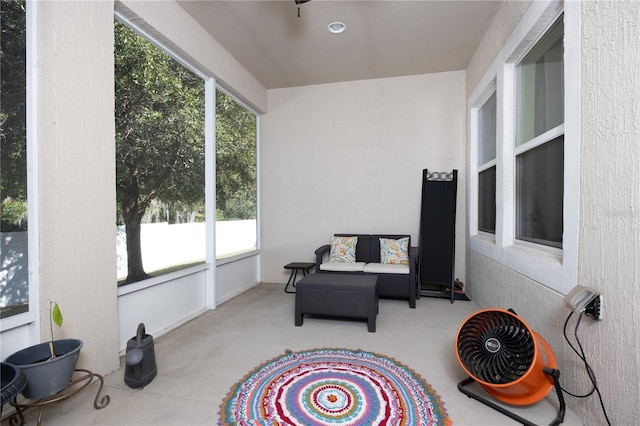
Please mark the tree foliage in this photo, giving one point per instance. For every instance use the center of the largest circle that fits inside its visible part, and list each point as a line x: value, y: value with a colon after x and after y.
x: 235, y: 160
x: 159, y: 126
x: 159, y: 135
x: 13, y: 134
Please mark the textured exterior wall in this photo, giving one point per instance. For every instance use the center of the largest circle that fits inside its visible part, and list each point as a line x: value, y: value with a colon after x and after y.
x: 609, y: 254
x: 348, y: 157
x: 609, y: 257
x: 77, y: 195
x: 169, y: 23
x: 501, y: 27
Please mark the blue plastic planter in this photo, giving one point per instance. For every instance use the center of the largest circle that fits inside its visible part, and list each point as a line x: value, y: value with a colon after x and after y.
x: 47, y: 376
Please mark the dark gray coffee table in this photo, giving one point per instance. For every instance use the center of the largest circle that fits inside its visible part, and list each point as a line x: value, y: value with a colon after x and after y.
x: 338, y: 295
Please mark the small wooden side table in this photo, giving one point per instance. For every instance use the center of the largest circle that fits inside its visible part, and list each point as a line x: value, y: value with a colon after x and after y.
x: 305, y: 267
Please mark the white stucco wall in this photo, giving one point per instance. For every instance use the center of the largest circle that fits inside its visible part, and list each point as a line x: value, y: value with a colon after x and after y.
x: 348, y: 157
x: 609, y: 258
x: 609, y: 238
x: 76, y: 154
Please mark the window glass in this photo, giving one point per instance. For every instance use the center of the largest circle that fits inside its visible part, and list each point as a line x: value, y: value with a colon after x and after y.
x: 540, y: 189
x: 540, y: 158
x: 160, y: 152
x: 540, y: 86
x: 14, y: 275
x: 236, y: 177
x: 487, y: 115
x: 487, y: 131
x: 487, y: 200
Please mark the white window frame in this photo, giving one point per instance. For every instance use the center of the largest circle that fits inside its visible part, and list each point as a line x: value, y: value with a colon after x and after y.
x: 475, y: 167
x: 133, y: 21
x: 251, y: 251
x: 165, y: 45
x: 554, y: 268
x: 27, y: 324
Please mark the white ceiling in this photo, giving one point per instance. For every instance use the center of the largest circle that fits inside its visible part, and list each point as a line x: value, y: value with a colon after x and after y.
x: 382, y: 38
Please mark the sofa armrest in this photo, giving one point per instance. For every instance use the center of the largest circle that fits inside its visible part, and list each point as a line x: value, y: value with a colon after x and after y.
x: 413, y: 257
x: 413, y: 275
x: 320, y: 253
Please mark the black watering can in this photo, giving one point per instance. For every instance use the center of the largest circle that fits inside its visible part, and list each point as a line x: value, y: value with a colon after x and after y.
x: 140, y: 360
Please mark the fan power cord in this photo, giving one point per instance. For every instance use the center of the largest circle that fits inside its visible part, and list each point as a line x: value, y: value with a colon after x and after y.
x: 590, y: 372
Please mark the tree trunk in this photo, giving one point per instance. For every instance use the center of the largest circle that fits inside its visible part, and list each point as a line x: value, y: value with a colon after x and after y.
x: 135, y: 268
x: 132, y: 218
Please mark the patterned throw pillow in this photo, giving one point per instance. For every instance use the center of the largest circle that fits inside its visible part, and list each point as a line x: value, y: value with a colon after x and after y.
x: 394, y: 252
x: 343, y: 249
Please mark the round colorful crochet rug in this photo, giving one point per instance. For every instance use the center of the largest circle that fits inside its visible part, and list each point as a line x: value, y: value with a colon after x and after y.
x: 332, y: 387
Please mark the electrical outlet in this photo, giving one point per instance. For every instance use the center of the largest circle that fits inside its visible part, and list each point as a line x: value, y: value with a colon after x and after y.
x: 600, y: 308
x: 594, y: 308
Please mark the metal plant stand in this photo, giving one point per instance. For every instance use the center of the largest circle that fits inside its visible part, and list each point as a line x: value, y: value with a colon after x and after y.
x: 75, y: 385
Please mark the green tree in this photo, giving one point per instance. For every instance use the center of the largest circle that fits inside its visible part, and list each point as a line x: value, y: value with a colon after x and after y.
x: 159, y: 109
x: 13, y: 134
x: 235, y: 160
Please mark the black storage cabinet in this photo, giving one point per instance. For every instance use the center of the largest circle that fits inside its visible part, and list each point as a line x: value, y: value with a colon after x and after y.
x: 436, y: 259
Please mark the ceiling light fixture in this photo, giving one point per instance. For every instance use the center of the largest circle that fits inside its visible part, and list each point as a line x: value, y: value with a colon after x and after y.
x: 336, y: 27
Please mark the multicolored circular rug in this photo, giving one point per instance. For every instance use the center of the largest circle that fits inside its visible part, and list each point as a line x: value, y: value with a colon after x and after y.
x: 332, y: 387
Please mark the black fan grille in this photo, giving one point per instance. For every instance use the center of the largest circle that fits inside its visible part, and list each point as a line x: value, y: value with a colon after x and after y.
x: 495, y: 347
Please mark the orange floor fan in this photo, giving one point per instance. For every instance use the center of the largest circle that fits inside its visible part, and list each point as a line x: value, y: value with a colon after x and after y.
x: 511, y: 362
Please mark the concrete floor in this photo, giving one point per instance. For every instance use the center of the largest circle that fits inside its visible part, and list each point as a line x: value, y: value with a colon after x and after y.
x: 199, y: 362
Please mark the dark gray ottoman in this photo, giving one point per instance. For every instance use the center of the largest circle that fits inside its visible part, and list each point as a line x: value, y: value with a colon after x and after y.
x: 339, y: 295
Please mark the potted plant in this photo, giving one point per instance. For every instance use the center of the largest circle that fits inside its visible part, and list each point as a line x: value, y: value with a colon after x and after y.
x: 48, y: 366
